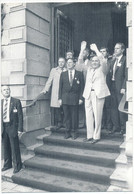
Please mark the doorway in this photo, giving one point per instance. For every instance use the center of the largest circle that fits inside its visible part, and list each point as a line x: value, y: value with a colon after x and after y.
x: 101, y: 23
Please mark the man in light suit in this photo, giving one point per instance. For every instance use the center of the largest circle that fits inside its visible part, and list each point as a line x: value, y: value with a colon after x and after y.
x: 12, y: 122
x: 118, y: 78
x: 70, y: 96
x: 94, y: 93
x: 53, y: 81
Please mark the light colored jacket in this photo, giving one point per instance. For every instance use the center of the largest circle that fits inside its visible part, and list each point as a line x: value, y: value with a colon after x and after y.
x: 96, y: 80
x: 54, y: 79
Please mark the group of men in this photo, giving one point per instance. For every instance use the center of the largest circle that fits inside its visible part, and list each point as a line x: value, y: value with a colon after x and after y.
x: 96, y: 80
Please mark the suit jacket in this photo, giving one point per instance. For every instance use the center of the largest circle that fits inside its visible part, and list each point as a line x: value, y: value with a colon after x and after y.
x: 70, y: 95
x: 96, y: 80
x: 120, y: 74
x: 53, y: 81
x: 16, y: 117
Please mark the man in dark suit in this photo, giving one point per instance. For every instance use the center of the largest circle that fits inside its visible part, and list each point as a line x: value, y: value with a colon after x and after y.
x: 70, y: 96
x: 118, y: 87
x: 12, y: 121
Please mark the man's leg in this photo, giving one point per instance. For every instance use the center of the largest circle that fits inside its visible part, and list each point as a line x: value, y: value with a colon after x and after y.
x: 123, y: 117
x: 7, y: 151
x: 98, y: 110
x: 89, y: 118
x: 67, y: 119
x: 114, y: 109
x: 74, y: 118
x: 14, y: 141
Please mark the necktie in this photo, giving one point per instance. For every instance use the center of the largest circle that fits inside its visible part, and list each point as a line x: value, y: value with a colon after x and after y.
x: 71, y: 78
x: 114, y: 69
x: 5, y: 109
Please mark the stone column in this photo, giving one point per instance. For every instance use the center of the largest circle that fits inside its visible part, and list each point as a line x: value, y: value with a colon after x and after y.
x: 26, y: 58
x: 129, y: 124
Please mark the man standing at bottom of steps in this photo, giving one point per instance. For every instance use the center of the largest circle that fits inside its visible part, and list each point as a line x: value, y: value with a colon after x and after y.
x: 12, y: 126
x: 70, y: 97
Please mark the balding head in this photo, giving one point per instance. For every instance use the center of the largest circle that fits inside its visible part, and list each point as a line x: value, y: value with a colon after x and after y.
x: 5, y: 91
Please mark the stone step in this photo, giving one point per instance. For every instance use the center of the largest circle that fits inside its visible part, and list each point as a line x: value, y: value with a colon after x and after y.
x: 122, y: 148
x: 121, y: 161
x: 103, y: 145
x: 78, y: 155
x: 117, y: 189
x: 79, y: 171
x: 31, y: 148
x: 83, y: 132
x: 118, y: 178
x: 55, y: 183
x: 40, y: 137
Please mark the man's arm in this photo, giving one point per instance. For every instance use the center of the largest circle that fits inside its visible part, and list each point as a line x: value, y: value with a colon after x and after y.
x: 123, y: 90
x: 103, y: 61
x: 49, y: 82
x: 83, y: 47
x: 20, y: 116
x: 81, y: 86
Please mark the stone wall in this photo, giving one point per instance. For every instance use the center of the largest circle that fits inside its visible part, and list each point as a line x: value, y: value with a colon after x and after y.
x: 129, y: 124
x: 26, y: 58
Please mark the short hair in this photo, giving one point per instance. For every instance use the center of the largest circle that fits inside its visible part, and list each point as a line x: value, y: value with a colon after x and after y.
x: 104, y: 48
x: 61, y: 58
x: 70, y: 51
x: 121, y: 44
x: 86, y: 49
x: 71, y: 59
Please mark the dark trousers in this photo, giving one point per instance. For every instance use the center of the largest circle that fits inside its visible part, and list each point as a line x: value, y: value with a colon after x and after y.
x: 11, y: 150
x: 58, y: 116
x: 71, y: 116
x: 118, y: 118
x: 106, y: 118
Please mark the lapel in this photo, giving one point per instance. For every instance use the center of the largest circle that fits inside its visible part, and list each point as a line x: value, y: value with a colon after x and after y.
x: 11, y: 105
x: 121, y: 61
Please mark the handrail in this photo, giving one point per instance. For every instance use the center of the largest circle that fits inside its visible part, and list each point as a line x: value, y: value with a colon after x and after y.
x: 121, y: 107
x: 34, y: 101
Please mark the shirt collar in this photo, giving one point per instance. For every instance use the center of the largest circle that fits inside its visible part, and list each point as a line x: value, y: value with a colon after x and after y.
x: 119, y: 58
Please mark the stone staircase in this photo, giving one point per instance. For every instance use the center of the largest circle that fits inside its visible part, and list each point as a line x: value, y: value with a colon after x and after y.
x: 60, y: 165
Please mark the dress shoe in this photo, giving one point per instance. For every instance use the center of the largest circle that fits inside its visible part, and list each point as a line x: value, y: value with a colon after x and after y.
x: 86, y: 140
x: 74, y: 136
x: 94, y: 141
x: 16, y: 170
x: 67, y: 136
x: 5, y: 168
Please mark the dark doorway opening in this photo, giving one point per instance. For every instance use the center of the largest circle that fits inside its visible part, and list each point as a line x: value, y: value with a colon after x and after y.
x: 100, y: 23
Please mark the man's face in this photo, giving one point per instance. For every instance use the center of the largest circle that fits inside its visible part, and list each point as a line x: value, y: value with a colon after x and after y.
x: 104, y: 52
x: 85, y: 54
x: 70, y: 64
x: 69, y: 55
x: 61, y: 62
x: 118, y: 50
x: 5, y: 91
x: 95, y: 62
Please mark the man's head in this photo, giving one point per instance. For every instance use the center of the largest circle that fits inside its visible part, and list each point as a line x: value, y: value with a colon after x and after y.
x: 61, y: 62
x: 95, y: 62
x: 104, y: 51
x: 70, y: 64
x: 5, y: 91
x: 119, y: 49
x: 85, y: 54
x: 69, y: 54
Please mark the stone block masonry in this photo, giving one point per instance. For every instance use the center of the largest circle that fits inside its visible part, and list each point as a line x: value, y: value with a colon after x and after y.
x: 26, y: 58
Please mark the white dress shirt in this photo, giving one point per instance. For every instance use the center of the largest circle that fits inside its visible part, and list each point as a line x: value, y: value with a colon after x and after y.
x: 73, y: 72
x: 8, y: 111
x: 115, y: 65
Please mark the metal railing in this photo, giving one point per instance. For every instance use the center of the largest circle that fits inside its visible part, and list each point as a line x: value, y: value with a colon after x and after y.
x: 122, y: 105
x: 34, y: 101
